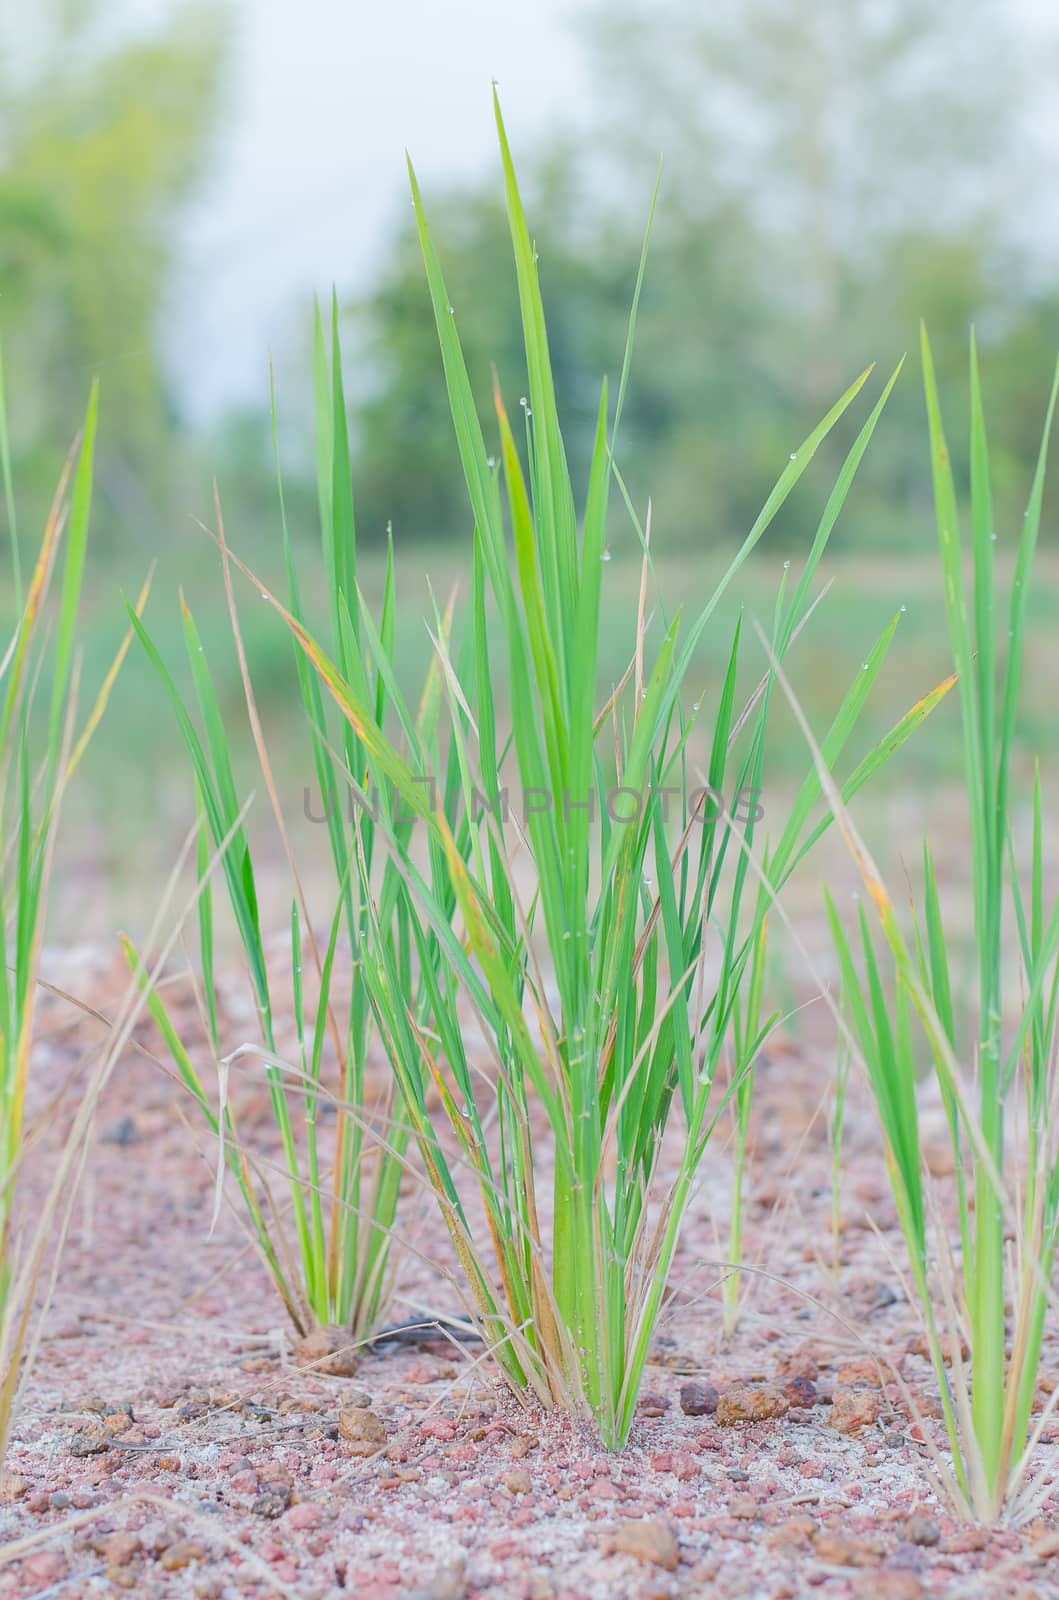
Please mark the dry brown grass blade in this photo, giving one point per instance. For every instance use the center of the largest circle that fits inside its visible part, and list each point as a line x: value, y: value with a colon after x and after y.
x: 56, y: 1212
x: 17, y: 1549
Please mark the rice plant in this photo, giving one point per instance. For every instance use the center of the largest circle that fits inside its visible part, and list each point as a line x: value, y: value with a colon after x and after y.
x: 578, y: 902
x: 342, y: 1177
x: 989, y: 1290
x: 40, y: 745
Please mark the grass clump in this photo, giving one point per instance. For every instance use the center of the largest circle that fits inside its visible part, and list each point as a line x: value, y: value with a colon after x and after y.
x: 343, y: 1144
x: 40, y: 746
x: 579, y: 897
x: 987, y: 1295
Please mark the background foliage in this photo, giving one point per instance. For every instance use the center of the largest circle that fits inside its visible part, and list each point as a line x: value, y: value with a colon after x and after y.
x: 831, y: 174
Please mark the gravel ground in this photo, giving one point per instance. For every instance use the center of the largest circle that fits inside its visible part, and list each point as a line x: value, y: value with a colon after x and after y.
x: 170, y: 1445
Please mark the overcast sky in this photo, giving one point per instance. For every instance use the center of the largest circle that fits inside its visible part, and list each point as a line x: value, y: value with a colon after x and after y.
x: 324, y: 97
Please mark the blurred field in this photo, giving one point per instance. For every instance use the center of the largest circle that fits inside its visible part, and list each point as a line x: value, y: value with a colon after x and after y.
x: 779, y: 266
x: 135, y: 800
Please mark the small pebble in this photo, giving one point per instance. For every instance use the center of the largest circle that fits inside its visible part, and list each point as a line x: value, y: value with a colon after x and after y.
x: 801, y: 1391
x: 120, y: 1132
x: 750, y: 1402
x: 44, y: 1567
x: 329, y: 1350
x: 450, y: 1583
x: 306, y: 1514
x: 120, y: 1549
x: 181, y: 1554
x: 698, y: 1398
x: 651, y: 1540
x: 921, y: 1529
x: 854, y: 1409
x: 361, y: 1429
x: 840, y: 1550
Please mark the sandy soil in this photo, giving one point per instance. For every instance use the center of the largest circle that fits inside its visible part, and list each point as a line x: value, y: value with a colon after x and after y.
x: 168, y: 1445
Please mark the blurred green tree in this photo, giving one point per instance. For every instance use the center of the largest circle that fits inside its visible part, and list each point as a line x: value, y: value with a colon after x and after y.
x: 406, y: 470
x: 102, y: 134
x: 884, y: 156
x: 833, y: 172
